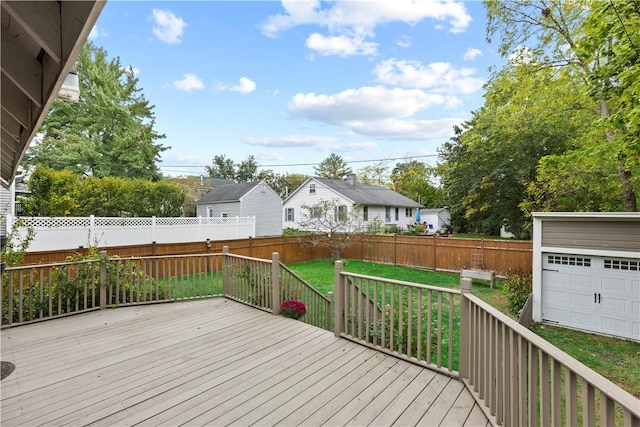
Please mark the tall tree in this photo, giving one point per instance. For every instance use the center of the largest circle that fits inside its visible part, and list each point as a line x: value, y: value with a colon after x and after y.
x: 377, y: 174
x: 247, y: 170
x: 416, y: 180
x: 222, y: 167
x: 109, y: 132
x: 333, y: 167
x: 488, y: 165
x: 592, y: 40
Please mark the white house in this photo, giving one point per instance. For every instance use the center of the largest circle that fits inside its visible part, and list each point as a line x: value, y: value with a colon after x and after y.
x: 586, y: 271
x: 245, y: 199
x: 374, y: 201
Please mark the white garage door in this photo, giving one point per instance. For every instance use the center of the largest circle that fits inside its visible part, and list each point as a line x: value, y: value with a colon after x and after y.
x: 593, y: 293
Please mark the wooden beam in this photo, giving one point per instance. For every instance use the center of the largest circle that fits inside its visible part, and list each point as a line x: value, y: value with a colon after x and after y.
x: 41, y: 20
x: 15, y: 102
x: 10, y: 126
x: 23, y: 70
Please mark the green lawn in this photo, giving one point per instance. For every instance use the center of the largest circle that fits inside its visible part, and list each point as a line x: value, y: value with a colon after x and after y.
x: 615, y: 359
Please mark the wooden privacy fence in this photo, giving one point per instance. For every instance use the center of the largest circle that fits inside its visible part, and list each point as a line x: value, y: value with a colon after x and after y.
x: 428, y: 252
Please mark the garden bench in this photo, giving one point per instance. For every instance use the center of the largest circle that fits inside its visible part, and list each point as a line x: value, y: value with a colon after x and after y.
x: 479, y: 274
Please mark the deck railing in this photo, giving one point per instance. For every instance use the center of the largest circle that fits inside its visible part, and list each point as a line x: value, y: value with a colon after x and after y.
x: 525, y: 381
x: 266, y: 284
x: 414, y: 322
x: 36, y: 293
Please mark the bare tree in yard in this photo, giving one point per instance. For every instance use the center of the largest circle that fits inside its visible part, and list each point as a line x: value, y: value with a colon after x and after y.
x: 332, y: 225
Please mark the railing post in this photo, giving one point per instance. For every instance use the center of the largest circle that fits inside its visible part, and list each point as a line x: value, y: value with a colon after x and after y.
x: 339, y: 299
x: 103, y: 280
x: 465, y: 327
x: 275, y: 283
x: 225, y: 271
x: 330, y: 296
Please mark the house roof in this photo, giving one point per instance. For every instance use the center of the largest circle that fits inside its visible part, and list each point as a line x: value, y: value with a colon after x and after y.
x: 227, y: 193
x: 39, y: 50
x: 432, y: 211
x: 365, y: 194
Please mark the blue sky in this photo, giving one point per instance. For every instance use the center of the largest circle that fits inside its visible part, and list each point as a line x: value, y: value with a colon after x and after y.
x: 291, y: 82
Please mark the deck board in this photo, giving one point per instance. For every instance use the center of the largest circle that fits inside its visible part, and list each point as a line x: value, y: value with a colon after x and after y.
x: 213, y: 362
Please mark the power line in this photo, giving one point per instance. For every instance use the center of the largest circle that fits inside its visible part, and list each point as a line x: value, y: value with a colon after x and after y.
x: 310, y: 164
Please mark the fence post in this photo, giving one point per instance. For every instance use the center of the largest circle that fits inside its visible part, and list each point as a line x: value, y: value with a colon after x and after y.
x: 465, y: 328
x: 339, y: 299
x: 275, y: 283
x: 103, y: 280
x: 330, y: 296
x: 153, y: 228
x: 225, y: 271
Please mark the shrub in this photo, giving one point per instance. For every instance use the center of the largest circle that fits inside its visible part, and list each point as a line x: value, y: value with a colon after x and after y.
x: 293, y: 309
x: 517, y: 289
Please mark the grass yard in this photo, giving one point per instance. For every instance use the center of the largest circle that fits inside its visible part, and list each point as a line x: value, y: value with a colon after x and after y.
x: 615, y: 359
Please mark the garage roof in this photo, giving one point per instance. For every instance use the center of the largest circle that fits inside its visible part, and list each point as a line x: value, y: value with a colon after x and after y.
x: 40, y: 43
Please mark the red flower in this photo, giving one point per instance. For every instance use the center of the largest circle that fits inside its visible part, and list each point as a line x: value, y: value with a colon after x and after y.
x: 293, y: 309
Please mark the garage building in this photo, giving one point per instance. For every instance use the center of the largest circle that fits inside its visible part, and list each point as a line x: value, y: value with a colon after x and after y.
x: 586, y: 271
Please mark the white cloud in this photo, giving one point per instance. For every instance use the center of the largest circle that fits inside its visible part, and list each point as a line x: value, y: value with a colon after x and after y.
x: 360, y: 14
x: 442, y: 77
x: 244, y: 86
x: 323, y: 143
x: 269, y: 155
x: 168, y: 27
x: 290, y: 141
x: 407, y: 129
x: 134, y: 71
x: 365, y: 104
x: 96, y: 32
x: 472, y: 54
x: 341, y: 45
x: 188, y: 82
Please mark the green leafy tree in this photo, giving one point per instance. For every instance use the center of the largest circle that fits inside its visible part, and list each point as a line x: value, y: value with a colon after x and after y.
x: 487, y: 166
x: 109, y: 132
x: 247, y: 170
x: 416, y: 180
x: 285, y: 184
x: 222, y: 167
x: 333, y: 167
x: 597, y: 45
x: 377, y: 174
x: 63, y: 193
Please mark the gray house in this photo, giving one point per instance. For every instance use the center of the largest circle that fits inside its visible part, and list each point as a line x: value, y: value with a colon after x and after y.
x: 245, y: 199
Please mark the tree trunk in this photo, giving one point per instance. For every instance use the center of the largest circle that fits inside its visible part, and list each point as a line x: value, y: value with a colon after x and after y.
x: 628, y: 193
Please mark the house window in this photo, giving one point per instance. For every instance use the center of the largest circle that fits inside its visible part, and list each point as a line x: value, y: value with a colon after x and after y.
x: 397, y: 214
x: 289, y: 215
x: 615, y: 264
x: 408, y: 212
x: 387, y: 213
x: 569, y: 260
x: 224, y: 214
x: 312, y: 188
x: 365, y: 213
x: 341, y: 213
x: 209, y: 211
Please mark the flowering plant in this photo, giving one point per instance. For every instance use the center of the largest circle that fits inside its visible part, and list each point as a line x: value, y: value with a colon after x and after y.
x: 293, y: 309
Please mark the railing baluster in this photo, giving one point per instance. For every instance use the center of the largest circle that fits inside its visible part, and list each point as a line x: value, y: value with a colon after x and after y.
x: 588, y: 404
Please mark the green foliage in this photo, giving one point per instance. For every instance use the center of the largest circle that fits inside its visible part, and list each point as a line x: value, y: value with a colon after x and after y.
x: 14, y: 251
x: 517, y: 289
x: 416, y: 180
x: 109, y: 132
x: 593, y: 44
x: 377, y: 174
x: 63, y: 193
x: 75, y: 286
x: 333, y: 167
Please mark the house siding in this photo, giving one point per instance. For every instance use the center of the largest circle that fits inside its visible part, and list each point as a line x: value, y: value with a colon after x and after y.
x: 231, y: 208
x: 5, y: 208
x: 263, y: 203
x: 303, y: 197
x: 601, y: 235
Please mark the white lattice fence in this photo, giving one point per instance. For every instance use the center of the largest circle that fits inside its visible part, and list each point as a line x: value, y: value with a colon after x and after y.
x: 73, y: 232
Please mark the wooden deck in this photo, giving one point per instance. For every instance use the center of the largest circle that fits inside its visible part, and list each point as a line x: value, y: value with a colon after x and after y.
x: 213, y: 362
